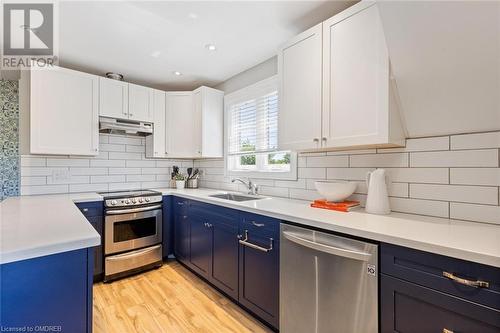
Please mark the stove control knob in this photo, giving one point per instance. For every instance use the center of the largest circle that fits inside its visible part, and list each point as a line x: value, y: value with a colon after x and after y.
x: 147, y: 200
x: 134, y: 201
x: 141, y: 200
x: 127, y: 201
x: 113, y: 202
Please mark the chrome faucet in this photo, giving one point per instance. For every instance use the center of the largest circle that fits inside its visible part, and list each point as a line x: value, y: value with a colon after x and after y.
x: 251, y: 186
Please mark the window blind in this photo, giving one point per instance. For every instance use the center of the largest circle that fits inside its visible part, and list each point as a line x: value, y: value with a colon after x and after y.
x: 253, y: 124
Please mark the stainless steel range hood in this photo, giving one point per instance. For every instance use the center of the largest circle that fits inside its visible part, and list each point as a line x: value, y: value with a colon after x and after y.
x: 123, y: 126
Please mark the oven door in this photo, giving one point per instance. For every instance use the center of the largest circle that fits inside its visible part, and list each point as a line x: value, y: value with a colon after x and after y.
x: 134, y: 228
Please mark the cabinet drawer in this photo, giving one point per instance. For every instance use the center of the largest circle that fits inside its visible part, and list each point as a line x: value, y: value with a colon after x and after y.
x: 91, y: 208
x: 260, y: 224
x: 428, y: 270
x: 410, y: 308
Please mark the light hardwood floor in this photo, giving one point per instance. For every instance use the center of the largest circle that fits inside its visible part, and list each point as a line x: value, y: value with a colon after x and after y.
x: 170, y: 299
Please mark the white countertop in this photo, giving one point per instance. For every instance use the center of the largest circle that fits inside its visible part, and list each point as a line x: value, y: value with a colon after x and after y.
x: 33, y: 226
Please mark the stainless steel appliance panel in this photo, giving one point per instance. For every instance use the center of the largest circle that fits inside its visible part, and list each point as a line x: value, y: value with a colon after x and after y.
x: 129, y: 261
x: 129, y: 229
x: 328, y: 283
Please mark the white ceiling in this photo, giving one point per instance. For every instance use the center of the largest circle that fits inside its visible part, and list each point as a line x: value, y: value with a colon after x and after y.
x: 124, y: 37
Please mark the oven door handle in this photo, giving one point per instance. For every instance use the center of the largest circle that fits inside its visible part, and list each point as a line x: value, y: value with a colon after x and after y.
x: 132, y: 210
x: 133, y: 254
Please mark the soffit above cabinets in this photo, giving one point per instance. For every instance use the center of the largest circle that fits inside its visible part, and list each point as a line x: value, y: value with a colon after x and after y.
x: 445, y: 56
x: 148, y: 41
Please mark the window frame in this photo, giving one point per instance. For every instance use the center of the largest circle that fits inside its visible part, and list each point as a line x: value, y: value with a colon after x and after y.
x: 250, y: 92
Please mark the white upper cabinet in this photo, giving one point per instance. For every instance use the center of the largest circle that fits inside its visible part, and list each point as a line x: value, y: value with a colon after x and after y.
x: 335, y: 89
x: 194, y: 124
x: 113, y: 98
x: 357, y: 109
x: 140, y: 103
x: 209, y: 106
x: 300, y: 73
x: 181, y: 140
x: 64, y: 115
x: 156, y: 143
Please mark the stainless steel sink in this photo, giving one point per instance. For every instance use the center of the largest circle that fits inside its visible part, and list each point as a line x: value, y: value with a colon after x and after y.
x: 234, y: 197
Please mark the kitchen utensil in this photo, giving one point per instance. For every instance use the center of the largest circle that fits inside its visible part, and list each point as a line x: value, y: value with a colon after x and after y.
x: 377, y: 201
x: 195, y: 173
x: 189, y: 171
x: 335, y: 191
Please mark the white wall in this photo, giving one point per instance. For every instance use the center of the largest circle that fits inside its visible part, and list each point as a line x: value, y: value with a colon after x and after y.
x: 255, y: 74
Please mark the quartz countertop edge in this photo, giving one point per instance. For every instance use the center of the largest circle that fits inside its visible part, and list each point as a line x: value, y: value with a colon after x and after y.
x: 476, y: 242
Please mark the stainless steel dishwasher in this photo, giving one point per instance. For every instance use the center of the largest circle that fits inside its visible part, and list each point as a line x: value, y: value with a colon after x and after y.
x: 328, y: 283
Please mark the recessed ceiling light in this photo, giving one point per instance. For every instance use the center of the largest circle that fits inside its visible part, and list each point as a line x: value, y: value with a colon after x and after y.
x: 177, y: 73
x: 211, y: 47
x: 193, y: 16
x: 156, y: 54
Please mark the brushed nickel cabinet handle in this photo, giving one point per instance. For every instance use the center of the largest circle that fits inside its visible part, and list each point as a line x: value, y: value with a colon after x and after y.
x: 316, y: 140
x: 258, y: 224
x: 465, y: 282
x: 245, y: 242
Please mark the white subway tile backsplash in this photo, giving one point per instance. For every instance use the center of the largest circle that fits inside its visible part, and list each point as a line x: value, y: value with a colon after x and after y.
x: 301, y: 161
x: 421, y: 144
x: 107, y: 163
x: 26, y: 181
x: 124, y: 171
x: 315, y: 173
x: 327, y: 161
x: 30, y: 161
x: 74, y: 188
x: 70, y: 180
x: 111, y: 147
x: 348, y: 173
x: 153, y: 171
x: 38, y: 171
x: 155, y: 184
x: 300, y: 194
x: 108, y: 179
x: 274, y: 191
x: 44, y: 189
x: 299, y: 183
x: 458, y: 193
x: 66, y: 162
x: 478, y: 213
x: 419, y: 175
x: 124, y: 156
x: 420, y: 207
x: 124, y: 140
x: 141, y: 178
x: 476, y: 141
x: 141, y: 164
x: 88, y: 171
x: 392, y: 160
x: 475, y: 176
x: 124, y: 186
x: 460, y: 158
x: 135, y: 149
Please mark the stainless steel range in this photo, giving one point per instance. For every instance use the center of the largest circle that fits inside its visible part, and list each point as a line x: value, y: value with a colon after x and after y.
x: 132, y: 232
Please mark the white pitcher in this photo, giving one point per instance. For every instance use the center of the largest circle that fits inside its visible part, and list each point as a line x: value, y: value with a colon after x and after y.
x: 378, y: 198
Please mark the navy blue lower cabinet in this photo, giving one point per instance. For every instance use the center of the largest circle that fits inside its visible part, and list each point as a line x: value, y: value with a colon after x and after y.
x: 225, y: 254
x: 182, y: 234
x: 94, y: 212
x: 167, y: 227
x: 259, y: 267
x: 201, y: 245
x: 54, y: 290
x: 409, y: 308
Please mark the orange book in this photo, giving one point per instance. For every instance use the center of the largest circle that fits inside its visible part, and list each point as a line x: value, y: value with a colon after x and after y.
x: 343, y: 206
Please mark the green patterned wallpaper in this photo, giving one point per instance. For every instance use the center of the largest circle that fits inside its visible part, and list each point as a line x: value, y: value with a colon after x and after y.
x: 9, y: 138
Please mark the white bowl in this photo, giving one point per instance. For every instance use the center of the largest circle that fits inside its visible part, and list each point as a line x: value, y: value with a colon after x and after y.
x: 335, y: 191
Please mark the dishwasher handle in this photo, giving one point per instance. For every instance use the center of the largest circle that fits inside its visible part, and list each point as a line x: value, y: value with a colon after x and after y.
x: 356, y: 255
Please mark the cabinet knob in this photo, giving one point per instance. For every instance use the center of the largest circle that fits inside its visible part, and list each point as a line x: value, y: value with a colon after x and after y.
x: 85, y: 209
x: 324, y: 138
x: 130, y: 114
x: 315, y: 140
x: 445, y: 330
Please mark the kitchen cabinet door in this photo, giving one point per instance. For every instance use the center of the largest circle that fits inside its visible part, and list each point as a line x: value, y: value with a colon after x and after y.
x: 155, y: 143
x: 140, y: 103
x: 409, y: 308
x: 182, y: 141
x: 64, y: 115
x: 225, y: 253
x: 182, y: 236
x: 358, y: 106
x: 300, y: 73
x: 201, y: 245
x: 259, y: 275
x: 94, y: 211
x: 209, y: 113
x: 113, y: 98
